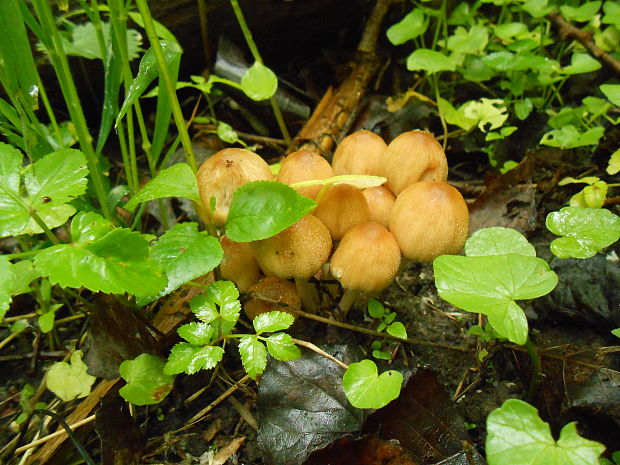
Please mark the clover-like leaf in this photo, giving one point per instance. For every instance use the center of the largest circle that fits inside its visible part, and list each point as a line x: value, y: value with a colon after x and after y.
x: 69, y: 380
x: 365, y: 388
x: 491, y: 284
x: 262, y: 209
x: 50, y: 183
x: 102, y: 259
x: 498, y: 241
x: 272, y: 321
x: 191, y: 358
x: 281, y: 347
x: 259, y: 82
x: 147, y: 383
x: 410, y: 27
x: 585, y: 231
x: 516, y: 435
x: 253, y: 355
x: 184, y: 253
x: 177, y: 181
x: 198, y: 333
x: 430, y: 61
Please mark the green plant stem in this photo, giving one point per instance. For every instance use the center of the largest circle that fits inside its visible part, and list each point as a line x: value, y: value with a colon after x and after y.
x: 67, y: 85
x: 169, y: 87
x: 435, y: 83
x: 247, y: 34
x: 44, y: 227
x: 536, y: 375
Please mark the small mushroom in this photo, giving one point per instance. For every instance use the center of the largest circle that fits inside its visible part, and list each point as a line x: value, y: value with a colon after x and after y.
x: 304, y: 165
x: 271, y: 294
x: 342, y: 207
x: 223, y: 173
x: 239, y: 264
x: 414, y: 156
x: 429, y: 219
x: 359, y: 153
x: 366, y: 261
x: 380, y: 200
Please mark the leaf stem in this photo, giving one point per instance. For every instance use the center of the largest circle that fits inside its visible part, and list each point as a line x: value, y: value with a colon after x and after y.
x: 33, y: 214
x: 319, y: 351
x: 536, y: 375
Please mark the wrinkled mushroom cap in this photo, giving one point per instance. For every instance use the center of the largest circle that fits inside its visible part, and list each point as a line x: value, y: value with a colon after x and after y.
x: 411, y: 157
x: 367, y: 258
x: 297, y: 252
x: 223, y: 173
x: 429, y: 219
x: 359, y: 153
x: 304, y: 165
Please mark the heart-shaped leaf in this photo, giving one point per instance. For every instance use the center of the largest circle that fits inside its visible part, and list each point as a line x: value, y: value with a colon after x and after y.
x: 498, y: 241
x: 147, y: 383
x: 365, y: 388
x: 259, y: 82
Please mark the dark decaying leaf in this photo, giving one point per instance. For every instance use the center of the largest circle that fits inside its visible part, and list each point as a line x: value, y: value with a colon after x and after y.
x: 598, y: 394
x: 369, y: 450
x: 116, y: 334
x: 302, y: 406
x: 121, y: 440
x: 424, y: 420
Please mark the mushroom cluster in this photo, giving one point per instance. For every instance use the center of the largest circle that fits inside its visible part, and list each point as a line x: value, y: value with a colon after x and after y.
x: 356, y: 236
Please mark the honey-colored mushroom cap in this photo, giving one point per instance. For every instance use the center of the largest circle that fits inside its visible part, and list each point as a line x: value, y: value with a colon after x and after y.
x: 239, y: 264
x: 271, y: 294
x: 223, y: 173
x: 428, y: 219
x: 359, y: 153
x: 342, y: 207
x: 304, y: 165
x: 380, y: 200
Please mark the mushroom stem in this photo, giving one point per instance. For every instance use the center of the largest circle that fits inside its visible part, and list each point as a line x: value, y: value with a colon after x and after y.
x: 308, y: 295
x: 347, y: 300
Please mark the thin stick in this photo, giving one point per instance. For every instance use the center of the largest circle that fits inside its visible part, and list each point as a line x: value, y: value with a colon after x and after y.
x: 215, y: 403
x: 44, y: 439
x: 314, y: 348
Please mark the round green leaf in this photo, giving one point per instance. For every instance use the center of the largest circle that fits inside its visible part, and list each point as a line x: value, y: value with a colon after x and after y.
x: 581, y: 63
x: 498, y: 241
x: 366, y: 389
x: 281, y: 347
x: 397, y: 329
x: 516, y: 435
x: 262, y: 209
x: 586, y: 231
x: 259, y: 82
x: 146, y: 381
x: 375, y: 308
x: 272, y: 321
x: 430, y: 61
x: 410, y: 27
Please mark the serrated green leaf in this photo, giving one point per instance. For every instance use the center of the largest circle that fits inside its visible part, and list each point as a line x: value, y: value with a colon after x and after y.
x: 491, y: 284
x: 585, y: 231
x: 375, y: 308
x: 365, y: 388
x: 184, y: 253
x: 69, y: 380
x: 581, y: 63
x: 272, y: 321
x: 225, y: 295
x: 410, y: 27
x: 198, y: 333
x: 498, y: 241
x: 177, y: 181
x: 614, y: 163
x: 116, y: 262
x: 281, y: 347
x: 262, y: 209
x: 253, y: 355
x: 147, y: 383
x: 204, y: 308
x: 430, y: 61
x: 397, y: 329
x: 612, y: 92
x: 190, y: 358
x: 259, y: 82
x: 516, y: 435
x: 582, y: 13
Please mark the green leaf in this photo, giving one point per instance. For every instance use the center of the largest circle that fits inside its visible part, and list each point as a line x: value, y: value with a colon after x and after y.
x: 177, y: 181
x: 69, y: 380
x: 272, y: 321
x: 52, y: 181
x: 468, y: 41
x: 508, y: 31
x: 614, y: 163
x: 147, y: 72
x: 281, y: 347
x: 612, y: 14
x: 581, y: 63
x: 616, y: 332
x: 46, y: 321
x: 430, y: 61
x: 7, y: 284
x: 227, y: 133
x: 498, y: 241
x: 365, y: 388
x: 198, y: 333
x: 23, y: 274
x: 253, y: 355
x: 262, y: 209
x: 612, y: 92
x: 582, y: 13
x: 516, y: 435
x: 456, y: 117
x: 410, y: 27
x: 397, y: 329
x: 84, y: 41
x: 590, y: 196
x: 147, y: 383
x: 190, y: 358
x: 569, y: 137
x: 375, y: 308
x: 219, y: 306
x: 585, y: 231
x: 474, y: 69
x: 486, y: 111
x: 259, y: 82
x: 184, y: 253
x: 112, y: 261
x: 523, y: 108
x: 491, y: 284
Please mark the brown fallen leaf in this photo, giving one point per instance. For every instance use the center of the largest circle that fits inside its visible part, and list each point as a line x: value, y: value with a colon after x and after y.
x: 368, y: 450
x: 227, y: 451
